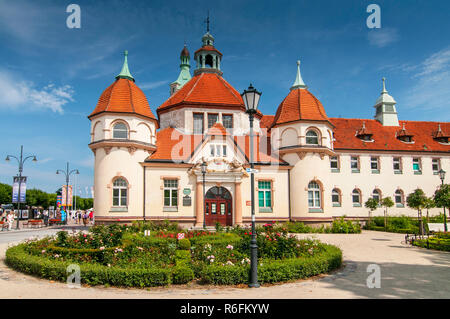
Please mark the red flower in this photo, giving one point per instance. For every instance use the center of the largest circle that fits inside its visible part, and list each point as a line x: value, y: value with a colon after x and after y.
x: 245, y: 233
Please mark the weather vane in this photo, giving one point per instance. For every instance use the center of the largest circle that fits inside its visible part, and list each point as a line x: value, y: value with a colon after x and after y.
x: 207, y: 22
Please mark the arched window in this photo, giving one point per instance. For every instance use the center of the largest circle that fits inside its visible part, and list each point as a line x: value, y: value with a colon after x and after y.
x: 356, y: 197
x: 120, y: 192
x: 120, y: 130
x: 314, y: 200
x: 312, y: 138
x: 336, y: 197
x: 376, y: 194
x: 399, y: 198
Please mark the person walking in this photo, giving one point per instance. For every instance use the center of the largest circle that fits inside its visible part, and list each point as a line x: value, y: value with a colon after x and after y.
x: 85, y: 218
x: 91, y: 216
x: 79, y: 217
x: 10, y: 220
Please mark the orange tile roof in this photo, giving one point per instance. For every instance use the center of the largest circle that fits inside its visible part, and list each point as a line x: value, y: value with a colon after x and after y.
x: 206, y: 89
x: 299, y: 104
x: 208, y: 48
x: 218, y: 129
x: 123, y: 96
x: 384, y: 137
x: 173, y: 145
x: 266, y: 121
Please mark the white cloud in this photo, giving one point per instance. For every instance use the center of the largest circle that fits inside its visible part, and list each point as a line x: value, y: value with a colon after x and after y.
x: 152, y: 85
x: 17, y: 93
x: 382, y: 37
x: 431, y: 90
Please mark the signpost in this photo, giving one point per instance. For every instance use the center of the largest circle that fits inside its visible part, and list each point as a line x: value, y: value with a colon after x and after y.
x: 251, y: 170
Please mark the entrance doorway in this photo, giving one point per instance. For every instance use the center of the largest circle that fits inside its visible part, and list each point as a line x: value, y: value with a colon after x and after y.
x: 218, y: 207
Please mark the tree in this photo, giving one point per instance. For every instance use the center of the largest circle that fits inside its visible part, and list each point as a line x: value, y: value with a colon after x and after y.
x: 429, y: 204
x: 442, y: 199
x: 371, y: 204
x: 5, y: 193
x: 386, y: 202
x: 417, y: 200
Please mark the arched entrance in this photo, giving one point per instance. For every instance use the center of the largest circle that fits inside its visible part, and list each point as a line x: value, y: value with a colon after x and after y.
x: 218, y: 206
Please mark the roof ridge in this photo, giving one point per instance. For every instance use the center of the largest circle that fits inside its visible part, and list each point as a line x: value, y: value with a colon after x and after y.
x: 131, y: 96
x: 227, y: 86
x: 110, y: 95
x: 192, y: 88
x: 319, y: 105
x: 299, y: 105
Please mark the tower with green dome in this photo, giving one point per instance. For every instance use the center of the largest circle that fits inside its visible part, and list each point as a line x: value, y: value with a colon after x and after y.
x: 185, y: 74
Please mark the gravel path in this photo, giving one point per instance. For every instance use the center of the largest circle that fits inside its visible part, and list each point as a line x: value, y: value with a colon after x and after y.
x: 406, y: 272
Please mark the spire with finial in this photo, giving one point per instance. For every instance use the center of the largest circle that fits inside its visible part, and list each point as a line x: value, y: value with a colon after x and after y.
x: 207, y: 23
x: 386, y: 112
x: 384, y: 85
x: 125, y: 73
x: 298, y: 84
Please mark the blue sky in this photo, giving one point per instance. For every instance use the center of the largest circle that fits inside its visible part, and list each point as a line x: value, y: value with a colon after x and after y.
x: 51, y: 76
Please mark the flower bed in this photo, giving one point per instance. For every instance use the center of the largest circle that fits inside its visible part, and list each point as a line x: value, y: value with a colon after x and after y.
x: 123, y: 256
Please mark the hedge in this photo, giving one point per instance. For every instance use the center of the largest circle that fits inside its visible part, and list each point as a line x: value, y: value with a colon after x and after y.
x: 91, y: 274
x: 219, y: 240
x: 276, y: 270
x: 433, y: 243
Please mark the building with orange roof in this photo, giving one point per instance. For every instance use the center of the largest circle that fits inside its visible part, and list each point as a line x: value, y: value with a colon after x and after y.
x: 310, y: 167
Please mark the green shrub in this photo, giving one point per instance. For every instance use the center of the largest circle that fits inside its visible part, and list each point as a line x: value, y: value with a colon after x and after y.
x: 433, y: 243
x: 182, y: 274
x: 184, y: 244
x: 275, y: 271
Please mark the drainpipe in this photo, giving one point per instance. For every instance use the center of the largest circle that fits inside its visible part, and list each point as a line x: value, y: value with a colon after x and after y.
x: 143, y: 204
x: 289, y: 192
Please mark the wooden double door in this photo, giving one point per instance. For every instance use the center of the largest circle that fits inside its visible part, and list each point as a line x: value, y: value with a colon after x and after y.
x: 218, y: 207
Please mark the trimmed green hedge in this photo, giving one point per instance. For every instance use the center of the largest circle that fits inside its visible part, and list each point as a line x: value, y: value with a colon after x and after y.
x: 91, y: 274
x: 433, y: 243
x: 276, y: 270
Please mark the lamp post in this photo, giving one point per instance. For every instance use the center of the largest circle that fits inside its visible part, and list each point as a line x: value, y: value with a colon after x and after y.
x: 21, y: 161
x: 204, y: 205
x: 67, y: 174
x: 442, y: 177
x: 251, y: 100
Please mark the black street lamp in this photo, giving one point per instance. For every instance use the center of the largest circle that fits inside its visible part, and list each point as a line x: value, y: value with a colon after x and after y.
x: 21, y: 161
x: 204, y: 205
x: 67, y: 174
x: 251, y: 100
x: 442, y: 177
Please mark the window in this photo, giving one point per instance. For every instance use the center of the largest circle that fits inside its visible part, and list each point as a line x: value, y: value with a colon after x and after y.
x: 212, y: 119
x: 356, y: 198
x: 312, y: 138
x: 120, y: 192
x: 198, y: 123
x: 436, y: 165
x: 334, y: 163
x: 171, y: 193
x: 354, y: 163
x: 227, y: 120
x: 416, y: 166
x: 218, y: 150
x: 336, y: 197
x: 399, y: 198
x: 265, y: 195
x: 374, y: 164
x: 314, y: 195
x: 120, y: 131
x: 376, y: 194
x: 397, y: 165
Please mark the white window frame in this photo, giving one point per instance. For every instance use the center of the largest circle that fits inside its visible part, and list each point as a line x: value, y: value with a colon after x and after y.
x: 122, y: 200
x: 114, y: 130
x: 171, y: 189
x: 314, y: 194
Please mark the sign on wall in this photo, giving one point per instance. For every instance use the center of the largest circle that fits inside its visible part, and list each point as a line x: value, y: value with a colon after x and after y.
x: 23, y: 189
x: 187, y: 201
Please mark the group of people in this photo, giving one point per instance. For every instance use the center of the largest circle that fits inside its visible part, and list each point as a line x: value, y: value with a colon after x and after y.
x: 7, y: 218
x: 86, y: 216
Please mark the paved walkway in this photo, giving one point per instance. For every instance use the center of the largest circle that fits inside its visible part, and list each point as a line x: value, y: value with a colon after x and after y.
x: 406, y: 272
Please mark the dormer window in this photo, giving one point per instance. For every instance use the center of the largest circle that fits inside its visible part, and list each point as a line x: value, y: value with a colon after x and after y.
x: 120, y: 131
x: 404, y: 136
x: 312, y: 138
x: 364, y: 134
x: 440, y: 136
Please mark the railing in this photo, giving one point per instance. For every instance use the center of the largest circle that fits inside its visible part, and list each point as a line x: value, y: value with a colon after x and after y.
x: 410, y: 238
